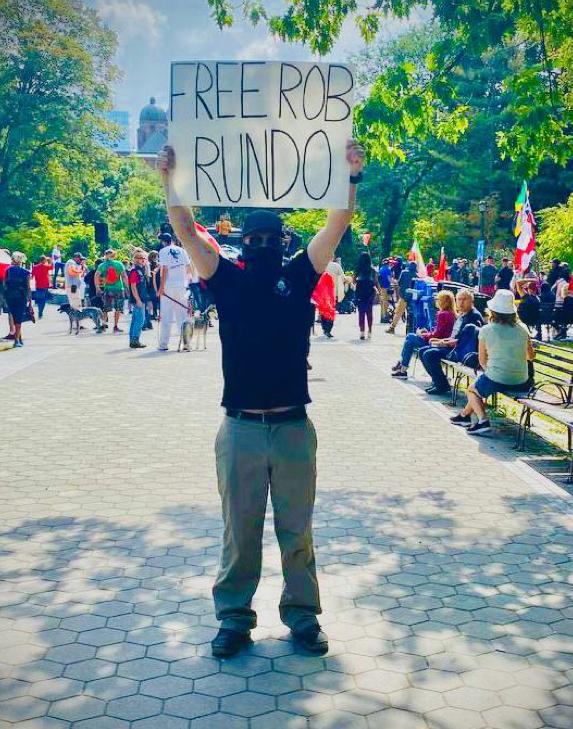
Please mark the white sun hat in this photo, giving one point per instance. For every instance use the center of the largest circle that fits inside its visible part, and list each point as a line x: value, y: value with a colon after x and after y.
x: 503, y: 302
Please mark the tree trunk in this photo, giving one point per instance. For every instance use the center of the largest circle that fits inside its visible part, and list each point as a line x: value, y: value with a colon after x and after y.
x: 395, y: 211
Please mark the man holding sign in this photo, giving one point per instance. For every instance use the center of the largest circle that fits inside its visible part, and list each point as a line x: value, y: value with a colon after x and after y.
x: 266, y: 441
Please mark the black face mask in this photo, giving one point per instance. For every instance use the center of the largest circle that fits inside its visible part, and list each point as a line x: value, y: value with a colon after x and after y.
x: 264, y: 261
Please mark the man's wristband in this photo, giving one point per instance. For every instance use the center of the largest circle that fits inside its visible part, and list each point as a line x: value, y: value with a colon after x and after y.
x: 355, y: 179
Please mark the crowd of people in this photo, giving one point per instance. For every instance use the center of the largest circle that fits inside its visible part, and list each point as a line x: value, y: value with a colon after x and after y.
x: 162, y: 280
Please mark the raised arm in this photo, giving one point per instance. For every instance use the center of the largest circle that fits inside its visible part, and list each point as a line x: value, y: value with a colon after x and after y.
x: 322, y: 247
x: 205, y: 258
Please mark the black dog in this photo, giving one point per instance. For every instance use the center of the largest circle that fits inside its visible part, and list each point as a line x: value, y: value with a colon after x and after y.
x: 76, y: 316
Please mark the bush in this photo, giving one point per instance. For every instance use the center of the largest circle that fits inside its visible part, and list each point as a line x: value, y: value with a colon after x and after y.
x: 40, y: 237
x: 555, y: 239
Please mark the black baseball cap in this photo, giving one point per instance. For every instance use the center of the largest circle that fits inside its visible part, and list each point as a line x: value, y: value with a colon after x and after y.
x: 262, y: 220
x: 165, y: 237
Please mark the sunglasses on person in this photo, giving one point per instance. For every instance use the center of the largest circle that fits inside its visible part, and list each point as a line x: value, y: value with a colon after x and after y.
x: 272, y: 240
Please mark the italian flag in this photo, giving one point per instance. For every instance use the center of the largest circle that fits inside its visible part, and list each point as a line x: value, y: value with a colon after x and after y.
x: 415, y: 254
x: 524, y: 230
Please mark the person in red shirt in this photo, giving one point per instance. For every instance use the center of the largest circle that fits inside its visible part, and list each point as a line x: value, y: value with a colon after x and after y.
x: 445, y: 320
x: 41, y: 275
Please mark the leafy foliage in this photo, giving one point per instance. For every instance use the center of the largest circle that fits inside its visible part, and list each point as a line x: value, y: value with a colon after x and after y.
x: 55, y: 72
x: 556, y: 237
x: 40, y: 237
x: 534, y: 36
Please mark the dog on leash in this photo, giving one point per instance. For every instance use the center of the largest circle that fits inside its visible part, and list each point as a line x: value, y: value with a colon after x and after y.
x: 201, y: 323
x: 77, y: 315
x: 186, y: 336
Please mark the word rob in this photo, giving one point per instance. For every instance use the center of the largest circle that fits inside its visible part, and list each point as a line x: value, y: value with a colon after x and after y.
x: 262, y: 134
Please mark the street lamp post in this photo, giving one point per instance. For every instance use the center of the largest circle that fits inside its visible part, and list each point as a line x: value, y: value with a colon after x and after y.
x: 482, y: 207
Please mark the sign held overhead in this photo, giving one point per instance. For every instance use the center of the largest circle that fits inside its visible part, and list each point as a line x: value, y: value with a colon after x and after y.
x: 260, y: 134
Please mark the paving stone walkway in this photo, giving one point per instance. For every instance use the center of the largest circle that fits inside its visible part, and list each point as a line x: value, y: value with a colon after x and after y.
x: 445, y: 563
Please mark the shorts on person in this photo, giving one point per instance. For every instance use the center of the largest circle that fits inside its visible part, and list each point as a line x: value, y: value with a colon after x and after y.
x: 113, y: 300
x: 485, y: 387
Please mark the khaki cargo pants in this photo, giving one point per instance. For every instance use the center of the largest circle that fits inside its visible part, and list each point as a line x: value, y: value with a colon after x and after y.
x: 253, y: 458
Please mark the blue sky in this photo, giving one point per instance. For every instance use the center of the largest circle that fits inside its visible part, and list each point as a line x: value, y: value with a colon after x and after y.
x: 152, y: 33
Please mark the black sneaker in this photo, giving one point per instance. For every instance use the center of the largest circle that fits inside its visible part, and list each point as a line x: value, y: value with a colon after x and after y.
x: 311, y: 639
x: 400, y: 374
x: 463, y: 420
x: 137, y: 345
x: 228, y: 642
x: 397, y: 366
x: 437, y: 391
x: 479, y: 428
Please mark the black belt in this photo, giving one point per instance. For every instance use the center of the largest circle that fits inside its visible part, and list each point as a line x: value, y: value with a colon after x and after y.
x: 271, y: 417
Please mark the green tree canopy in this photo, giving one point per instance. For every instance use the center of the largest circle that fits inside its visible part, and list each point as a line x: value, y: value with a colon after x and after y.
x: 55, y: 73
x: 535, y: 36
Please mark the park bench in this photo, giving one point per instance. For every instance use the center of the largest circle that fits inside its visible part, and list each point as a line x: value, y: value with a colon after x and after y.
x: 551, y: 396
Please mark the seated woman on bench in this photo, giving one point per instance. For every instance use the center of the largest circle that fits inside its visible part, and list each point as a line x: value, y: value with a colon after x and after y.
x: 445, y: 320
x: 504, y: 352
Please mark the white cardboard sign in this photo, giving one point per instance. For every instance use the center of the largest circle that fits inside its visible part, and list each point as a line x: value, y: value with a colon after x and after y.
x: 260, y: 134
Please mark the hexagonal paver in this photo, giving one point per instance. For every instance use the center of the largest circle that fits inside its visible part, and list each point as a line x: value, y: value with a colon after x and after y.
x: 195, y: 667
x: 165, y: 687
x: 435, y: 680
x: 101, y: 636
x: 337, y: 720
x: 486, y: 678
x: 559, y: 716
x: 418, y: 700
x: 451, y: 718
x: 248, y: 704
x: 246, y: 665
x: 142, y: 668
x: 167, y: 722
x: 274, y: 683
x: 71, y: 653
x: 21, y: 708
x: 220, y: 685
x: 360, y: 702
x: 101, y: 722
x: 299, y: 665
x: 55, y: 637
x: 277, y: 719
x: 121, y: 652
x: 77, y: 708
x: 85, y: 621
x: 134, y: 707
x: 329, y: 682
x: 224, y: 721
x: 381, y: 681
x: 527, y: 697
x: 406, y: 616
x: 147, y: 636
x: 89, y: 670
x: 503, y: 717
x: 172, y: 651
x: 396, y: 719
x: 55, y: 688
x: 11, y: 688
x: 306, y: 703
x: 191, y: 706
x: 110, y: 688
x: 475, y: 699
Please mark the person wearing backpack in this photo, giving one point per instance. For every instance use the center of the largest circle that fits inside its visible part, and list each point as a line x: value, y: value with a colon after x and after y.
x: 111, y: 282
x: 366, y: 281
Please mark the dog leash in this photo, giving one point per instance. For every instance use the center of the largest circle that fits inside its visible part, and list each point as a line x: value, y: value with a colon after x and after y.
x: 188, y: 308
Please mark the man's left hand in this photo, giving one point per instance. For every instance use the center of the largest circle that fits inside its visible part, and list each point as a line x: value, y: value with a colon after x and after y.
x: 354, y: 156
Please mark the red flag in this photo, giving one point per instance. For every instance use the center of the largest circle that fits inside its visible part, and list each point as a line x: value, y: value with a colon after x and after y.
x: 441, y: 275
x: 366, y: 238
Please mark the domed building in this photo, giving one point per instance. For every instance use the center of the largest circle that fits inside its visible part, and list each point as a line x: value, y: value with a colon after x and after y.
x: 152, y: 132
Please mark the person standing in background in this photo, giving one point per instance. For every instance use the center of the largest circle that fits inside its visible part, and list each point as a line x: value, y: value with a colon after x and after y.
x: 138, y: 296
x: 74, y: 276
x: 385, y: 288
x: 488, y: 274
x: 111, y: 281
x: 57, y: 263
x: 18, y: 294
x: 175, y: 270
x: 41, y: 276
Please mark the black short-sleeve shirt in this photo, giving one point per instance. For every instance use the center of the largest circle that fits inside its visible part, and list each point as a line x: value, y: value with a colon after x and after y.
x: 264, y: 328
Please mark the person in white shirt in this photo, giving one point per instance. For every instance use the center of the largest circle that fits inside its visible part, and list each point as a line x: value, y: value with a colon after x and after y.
x: 74, y: 280
x: 175, y: 271
x: 57, y: 263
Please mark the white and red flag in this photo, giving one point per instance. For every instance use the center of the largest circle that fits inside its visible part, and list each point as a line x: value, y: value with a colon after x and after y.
x: 525, y: 227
